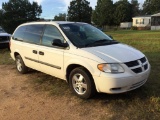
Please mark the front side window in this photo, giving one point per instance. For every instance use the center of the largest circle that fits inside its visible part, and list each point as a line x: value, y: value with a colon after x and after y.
x: 33, y: 33
x: 51, y: 33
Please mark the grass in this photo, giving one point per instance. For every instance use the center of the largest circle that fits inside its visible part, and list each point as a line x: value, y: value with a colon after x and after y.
x: 140, y: 104
x: 5, y: 58
x: 52, y: 85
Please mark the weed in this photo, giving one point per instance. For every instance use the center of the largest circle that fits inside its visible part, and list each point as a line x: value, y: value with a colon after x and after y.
x: 5, y: 58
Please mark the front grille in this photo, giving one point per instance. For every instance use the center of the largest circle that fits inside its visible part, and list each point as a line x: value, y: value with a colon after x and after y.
x: 143, y: 60
x: 3, y: 38
x: 138, y: 66
x: 132, y: 63
x: 137, y: 70
x: 146, y: 66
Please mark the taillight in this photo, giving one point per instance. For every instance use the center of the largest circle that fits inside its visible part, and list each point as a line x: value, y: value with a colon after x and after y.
x: 9, y: 42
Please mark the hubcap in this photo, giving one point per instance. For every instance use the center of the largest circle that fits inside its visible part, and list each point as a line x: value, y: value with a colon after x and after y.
x: 19, y: 65
x: 79, y: 84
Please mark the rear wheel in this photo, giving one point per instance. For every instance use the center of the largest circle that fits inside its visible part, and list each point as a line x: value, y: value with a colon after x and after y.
x: 81, y: 83
x: 20, y: 65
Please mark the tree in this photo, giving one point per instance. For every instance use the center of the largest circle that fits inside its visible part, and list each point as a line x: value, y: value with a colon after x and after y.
x: 1, y: 16
x: 79, y: 11
x: 103, y: 13
x: 17, y: 12
x: 151, y: 7
x: 135, y: 8
x: 60, y: 17
x: 123, y: 12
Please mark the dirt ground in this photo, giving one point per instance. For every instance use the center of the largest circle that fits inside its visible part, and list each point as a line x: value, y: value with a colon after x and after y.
x: 18, y: 101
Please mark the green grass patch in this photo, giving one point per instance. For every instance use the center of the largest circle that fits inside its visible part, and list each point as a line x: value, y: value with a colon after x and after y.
x: 5, y: 58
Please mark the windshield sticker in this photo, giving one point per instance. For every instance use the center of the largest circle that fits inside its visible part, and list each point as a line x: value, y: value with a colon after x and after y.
x: 66, y: 28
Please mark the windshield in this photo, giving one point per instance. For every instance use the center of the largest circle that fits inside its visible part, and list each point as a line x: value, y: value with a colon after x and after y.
x: 85, y: 35
x: 1, y: 30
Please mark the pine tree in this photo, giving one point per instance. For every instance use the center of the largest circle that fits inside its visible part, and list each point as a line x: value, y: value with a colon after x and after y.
x: 103, y: 13
x: 80, y: 11
x: 17, y: 12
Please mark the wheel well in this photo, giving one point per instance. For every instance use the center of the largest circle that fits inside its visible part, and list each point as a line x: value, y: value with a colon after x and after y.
x: 73, y: 66
x: 15, y: 54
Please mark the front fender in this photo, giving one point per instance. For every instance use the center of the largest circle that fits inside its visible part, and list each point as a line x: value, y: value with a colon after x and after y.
x: 90, y: 65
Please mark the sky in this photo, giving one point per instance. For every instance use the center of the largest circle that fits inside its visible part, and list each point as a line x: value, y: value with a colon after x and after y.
x: 50, y: 8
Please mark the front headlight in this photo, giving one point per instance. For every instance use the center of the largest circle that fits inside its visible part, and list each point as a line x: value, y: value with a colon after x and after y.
x: 111, y: 68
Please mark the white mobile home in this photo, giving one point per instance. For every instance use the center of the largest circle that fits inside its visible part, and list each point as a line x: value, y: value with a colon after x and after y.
x: 126, y: 25
x: 142, y: 22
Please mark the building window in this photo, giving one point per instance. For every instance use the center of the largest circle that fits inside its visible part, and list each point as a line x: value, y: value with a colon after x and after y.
x: 136, y: 21
x: 155, y: 21
x: 142, y: 21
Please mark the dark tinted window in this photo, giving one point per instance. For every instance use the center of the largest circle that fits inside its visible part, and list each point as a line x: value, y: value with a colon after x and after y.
x: 85, y: 35
x: 33, y: 33
x: 18, y: 35
x: 51, y: 33
x: 1, y: 30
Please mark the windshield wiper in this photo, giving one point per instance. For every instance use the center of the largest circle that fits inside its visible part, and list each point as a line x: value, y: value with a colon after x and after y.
x: 101, y: 42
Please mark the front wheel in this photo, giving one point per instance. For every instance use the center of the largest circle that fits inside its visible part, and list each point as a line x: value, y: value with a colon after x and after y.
x: 20, y: 65
x: 81, y: 83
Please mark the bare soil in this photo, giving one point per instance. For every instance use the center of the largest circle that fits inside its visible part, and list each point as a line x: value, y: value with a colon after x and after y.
x: 19, y: 101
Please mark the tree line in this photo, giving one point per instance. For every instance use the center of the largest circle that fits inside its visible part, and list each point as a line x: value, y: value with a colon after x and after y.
x: 106, y: 12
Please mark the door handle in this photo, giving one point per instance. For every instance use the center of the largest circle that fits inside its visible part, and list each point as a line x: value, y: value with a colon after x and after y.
x: 34, y: 51
x: 41, y: 53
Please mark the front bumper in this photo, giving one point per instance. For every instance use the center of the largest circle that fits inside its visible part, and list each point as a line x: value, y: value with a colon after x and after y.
x: 119, y: 83
x: 4, y: 44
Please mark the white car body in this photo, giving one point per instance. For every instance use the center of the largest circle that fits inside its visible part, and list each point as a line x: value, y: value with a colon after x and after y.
x: 56, y: 61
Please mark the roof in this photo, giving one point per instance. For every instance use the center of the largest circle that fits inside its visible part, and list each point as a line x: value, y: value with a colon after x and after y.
x: 65, y: 22
x: 158, y: 14
x: 51, y: 22
x: 142, y: 16
x: 56, y: 23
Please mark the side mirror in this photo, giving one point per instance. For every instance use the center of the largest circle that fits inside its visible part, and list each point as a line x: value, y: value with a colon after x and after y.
x: 58, y: 42
x: 110, y: 36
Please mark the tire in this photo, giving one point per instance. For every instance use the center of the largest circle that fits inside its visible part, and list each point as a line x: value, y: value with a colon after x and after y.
x: 81, y: 83
x: 20, y: 65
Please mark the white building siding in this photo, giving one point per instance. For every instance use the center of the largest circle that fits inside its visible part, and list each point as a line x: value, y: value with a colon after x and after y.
x: 155, y: 27
x: 126, y: 25
x: 142, y: 21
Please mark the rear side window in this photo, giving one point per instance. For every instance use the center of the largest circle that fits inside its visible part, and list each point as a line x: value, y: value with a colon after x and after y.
x: 18, y: 35
x: 33, y: 33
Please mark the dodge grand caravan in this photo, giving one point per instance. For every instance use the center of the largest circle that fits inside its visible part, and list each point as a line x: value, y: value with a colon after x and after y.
x: 88, y: 59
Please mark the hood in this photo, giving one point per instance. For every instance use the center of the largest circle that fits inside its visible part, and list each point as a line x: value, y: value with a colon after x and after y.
x: 115, y: 53
x: 4, y: 34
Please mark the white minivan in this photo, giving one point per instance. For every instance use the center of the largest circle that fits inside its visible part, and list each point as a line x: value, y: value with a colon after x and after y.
x: 88, y: 59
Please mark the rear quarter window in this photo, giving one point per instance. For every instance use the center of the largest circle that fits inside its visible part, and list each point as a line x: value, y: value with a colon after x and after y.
x: 18, y: 34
